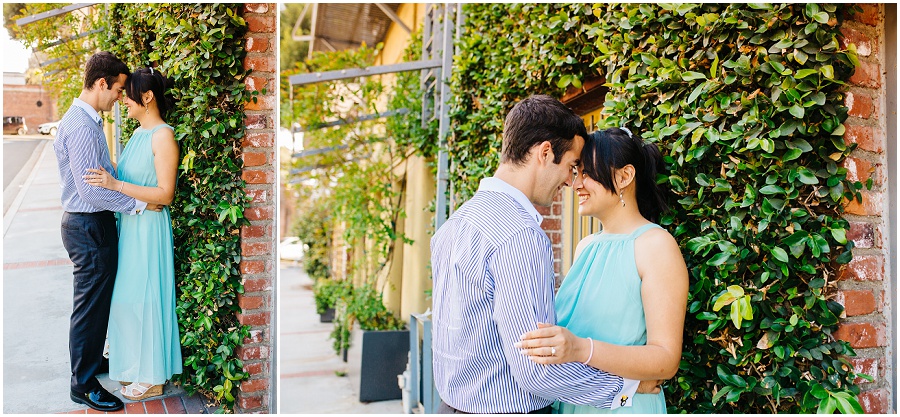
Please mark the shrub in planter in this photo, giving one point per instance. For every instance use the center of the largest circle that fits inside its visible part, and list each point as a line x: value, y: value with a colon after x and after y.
x: 384, y: 344
x: 314, y: 228
x: 327, y: 292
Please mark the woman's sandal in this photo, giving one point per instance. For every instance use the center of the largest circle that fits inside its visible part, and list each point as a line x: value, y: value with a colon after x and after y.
x: 137, y: 391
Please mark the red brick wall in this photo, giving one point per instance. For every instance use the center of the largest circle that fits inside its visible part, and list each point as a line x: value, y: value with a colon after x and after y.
x: 862, y: 286
x: 552, y: 224
x: 258, y: 263
x: 21, y: 100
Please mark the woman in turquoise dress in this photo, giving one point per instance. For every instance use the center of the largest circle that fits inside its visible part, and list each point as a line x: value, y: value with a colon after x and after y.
x: 144, y: 345
x: 621, y: 307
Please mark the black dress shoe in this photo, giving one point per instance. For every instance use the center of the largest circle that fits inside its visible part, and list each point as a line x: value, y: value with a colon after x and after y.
x: 99, y: 399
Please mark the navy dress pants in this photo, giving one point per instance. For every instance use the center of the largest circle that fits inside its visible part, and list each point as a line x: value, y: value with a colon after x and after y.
x: 93, y: 245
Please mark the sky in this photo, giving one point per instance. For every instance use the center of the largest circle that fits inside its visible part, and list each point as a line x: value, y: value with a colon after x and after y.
x: 15, y: 55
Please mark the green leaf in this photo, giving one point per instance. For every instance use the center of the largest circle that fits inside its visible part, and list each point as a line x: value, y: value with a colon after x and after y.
x: 807, y: 177
x: 771, y: 189
x: 818, y: 391
x: 723, y: 300
x: 780, y: 254
x: 692, y: 75
x: 721, y: 393
x: 729, y: 378
x: 792, y: 154
x: 821, y: 17
x: 718, y: 259
x: 806, y: 72
x: 839, y: 235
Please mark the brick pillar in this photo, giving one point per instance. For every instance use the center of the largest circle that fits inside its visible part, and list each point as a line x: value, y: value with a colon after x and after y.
x: 862, y: 288
x: 258, y: 262
x: 552, y: 225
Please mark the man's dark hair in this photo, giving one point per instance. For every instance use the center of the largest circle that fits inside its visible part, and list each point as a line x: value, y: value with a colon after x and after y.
x: 103, y: 65
x: 537, y: 119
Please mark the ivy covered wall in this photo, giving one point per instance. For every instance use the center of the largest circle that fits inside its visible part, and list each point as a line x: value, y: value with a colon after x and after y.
x: 747, y: 104
x: 200, y: 47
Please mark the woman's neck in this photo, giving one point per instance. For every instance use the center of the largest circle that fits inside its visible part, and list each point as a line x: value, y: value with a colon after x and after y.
x: 148, y: 121
x: 622, y: 220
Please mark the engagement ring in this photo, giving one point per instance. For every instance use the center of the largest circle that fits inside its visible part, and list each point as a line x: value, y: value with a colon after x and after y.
x: 553, y: 351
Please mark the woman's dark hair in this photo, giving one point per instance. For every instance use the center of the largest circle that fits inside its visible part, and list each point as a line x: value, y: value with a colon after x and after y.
x: 537, y: 119
x: 146, y: 79
x: 613, y: 148
x: 103, y: 65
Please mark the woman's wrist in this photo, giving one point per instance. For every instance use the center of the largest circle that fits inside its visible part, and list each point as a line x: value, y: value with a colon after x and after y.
x: 588, y: 351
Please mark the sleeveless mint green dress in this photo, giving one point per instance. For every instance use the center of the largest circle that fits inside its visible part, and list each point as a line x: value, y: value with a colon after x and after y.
x: 601, y: 299
x: 144, y: 345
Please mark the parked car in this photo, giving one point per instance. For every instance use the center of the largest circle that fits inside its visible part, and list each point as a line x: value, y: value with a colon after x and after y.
x: 291, y: 249
x: 14, y: 124
x: 48, y: 128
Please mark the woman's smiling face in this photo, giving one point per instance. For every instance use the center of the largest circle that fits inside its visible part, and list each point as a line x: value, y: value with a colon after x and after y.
x: 133, y: 107
x: 593, y: 198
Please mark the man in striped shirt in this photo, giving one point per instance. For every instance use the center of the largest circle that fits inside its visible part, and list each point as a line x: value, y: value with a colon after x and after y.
x: 89, y: 226
x: 494, y: 279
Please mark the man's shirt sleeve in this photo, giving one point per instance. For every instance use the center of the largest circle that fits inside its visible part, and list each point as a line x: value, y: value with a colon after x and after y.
x: 83, y: 154
x: 523, y: 295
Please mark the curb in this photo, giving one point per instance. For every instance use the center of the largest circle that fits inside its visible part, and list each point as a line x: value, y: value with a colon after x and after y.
x: 9, y: 214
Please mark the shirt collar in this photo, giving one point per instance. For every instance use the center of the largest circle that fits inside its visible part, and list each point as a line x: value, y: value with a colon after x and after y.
x: 497, y: 185
x: 87, y: 108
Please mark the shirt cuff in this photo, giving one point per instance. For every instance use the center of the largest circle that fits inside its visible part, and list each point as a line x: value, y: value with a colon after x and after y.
x: 139, y: 207
x: 624, y: 397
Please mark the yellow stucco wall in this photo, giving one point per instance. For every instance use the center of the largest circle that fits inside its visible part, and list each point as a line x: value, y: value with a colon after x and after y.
x: 409, y: 277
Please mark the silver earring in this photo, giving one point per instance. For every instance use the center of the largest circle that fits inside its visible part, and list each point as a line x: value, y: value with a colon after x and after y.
x: 621, y: 200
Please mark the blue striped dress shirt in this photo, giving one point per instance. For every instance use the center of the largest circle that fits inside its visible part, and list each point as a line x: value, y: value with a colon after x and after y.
x: 80, y: 144
x: 493, y: 281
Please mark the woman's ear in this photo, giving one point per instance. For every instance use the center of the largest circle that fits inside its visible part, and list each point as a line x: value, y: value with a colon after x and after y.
x: 148, y: 97
x: 624, y: 176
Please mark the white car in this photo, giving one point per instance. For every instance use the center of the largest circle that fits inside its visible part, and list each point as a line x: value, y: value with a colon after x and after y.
x: 291, y: 249
x: 49, y: 128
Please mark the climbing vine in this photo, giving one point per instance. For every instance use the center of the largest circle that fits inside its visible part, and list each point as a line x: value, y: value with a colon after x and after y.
x: 199, y: 47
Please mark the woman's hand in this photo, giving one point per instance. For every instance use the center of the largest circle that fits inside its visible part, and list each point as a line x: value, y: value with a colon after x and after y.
x: 101, y: 178
x: 551, y: 344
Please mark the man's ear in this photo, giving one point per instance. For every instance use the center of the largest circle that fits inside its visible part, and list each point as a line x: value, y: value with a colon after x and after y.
x: 545, y: 151
x: 99, y: 83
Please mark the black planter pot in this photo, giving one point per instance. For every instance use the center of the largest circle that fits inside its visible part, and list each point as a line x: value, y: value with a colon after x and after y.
x: 384, y: 356
x: 327, y: 316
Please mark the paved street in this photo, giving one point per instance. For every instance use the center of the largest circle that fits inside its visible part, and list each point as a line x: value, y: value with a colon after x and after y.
x: 309, y: 380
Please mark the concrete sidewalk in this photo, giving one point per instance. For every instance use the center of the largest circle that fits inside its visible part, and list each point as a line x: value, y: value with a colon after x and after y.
x: 310, y: 380
x: 37, y: 303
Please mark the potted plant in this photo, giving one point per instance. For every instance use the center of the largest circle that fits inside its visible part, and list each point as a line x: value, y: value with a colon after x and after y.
x: 327, y: 292
x: 383, y: 341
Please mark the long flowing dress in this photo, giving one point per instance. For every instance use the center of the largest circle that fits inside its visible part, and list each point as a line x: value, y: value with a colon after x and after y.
x: 601, y: 299
x: 144, y: 345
